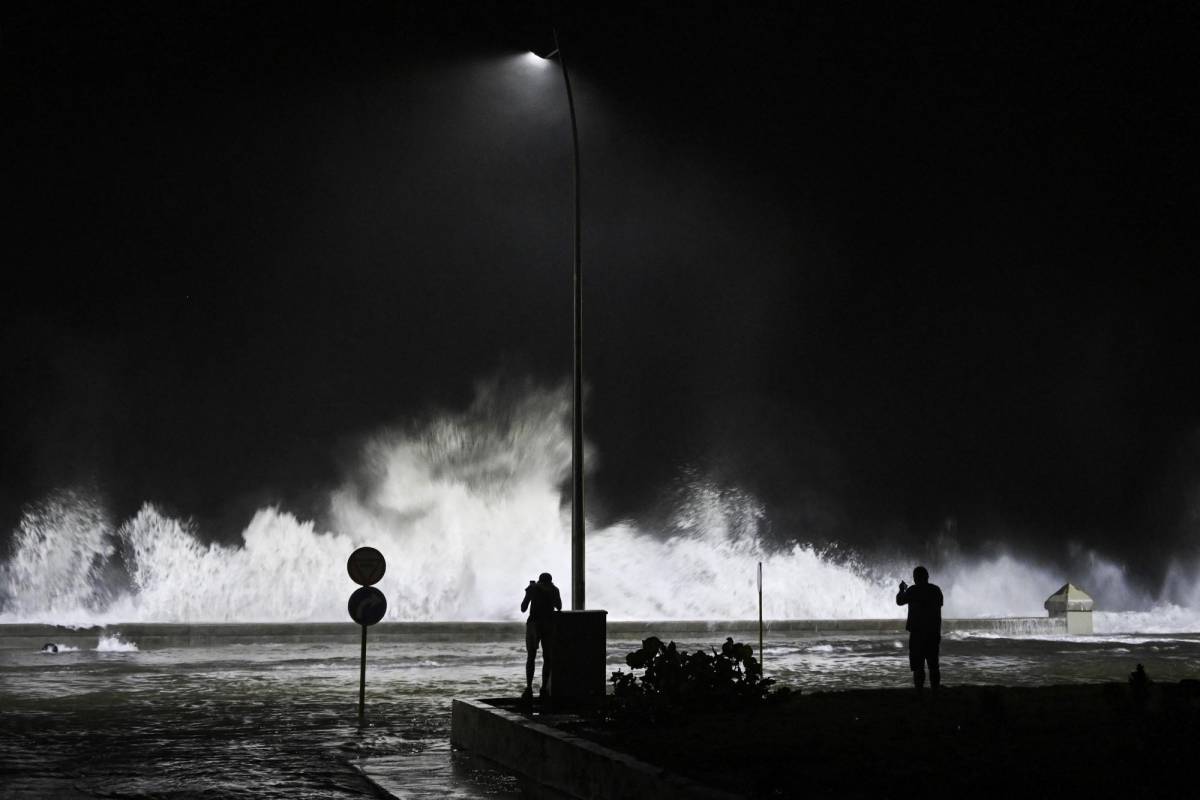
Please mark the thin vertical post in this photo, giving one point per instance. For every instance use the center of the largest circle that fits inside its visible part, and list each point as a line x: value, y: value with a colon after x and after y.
x: 760, y: 616
x: 577, y: 510
x: 362, y: 677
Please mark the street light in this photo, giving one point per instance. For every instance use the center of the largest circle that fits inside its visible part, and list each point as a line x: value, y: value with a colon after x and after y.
x: 577, y: 523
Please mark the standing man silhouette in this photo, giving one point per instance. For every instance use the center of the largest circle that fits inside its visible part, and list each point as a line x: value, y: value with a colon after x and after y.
x: 543, y: 601
x: 924, y: 626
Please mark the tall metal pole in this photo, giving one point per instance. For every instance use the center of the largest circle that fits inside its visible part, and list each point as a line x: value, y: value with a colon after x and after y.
x: 362, y: 677
x: 577, y: 510
x: 760, y: 622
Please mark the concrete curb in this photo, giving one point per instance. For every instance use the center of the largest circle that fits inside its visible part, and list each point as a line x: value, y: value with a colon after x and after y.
x: 563, y: 763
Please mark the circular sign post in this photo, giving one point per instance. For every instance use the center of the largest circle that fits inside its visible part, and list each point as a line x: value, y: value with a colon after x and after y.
x: 366, y: 566
x: 367, y: 606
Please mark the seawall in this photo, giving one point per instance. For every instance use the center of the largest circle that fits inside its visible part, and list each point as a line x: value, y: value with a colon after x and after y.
x: 160, y: 634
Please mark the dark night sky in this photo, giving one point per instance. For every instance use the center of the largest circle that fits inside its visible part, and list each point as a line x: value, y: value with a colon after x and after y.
x: 879, y: 268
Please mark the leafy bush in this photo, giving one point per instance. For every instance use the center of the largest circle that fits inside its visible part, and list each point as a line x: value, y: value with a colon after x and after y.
x: 678, y: 677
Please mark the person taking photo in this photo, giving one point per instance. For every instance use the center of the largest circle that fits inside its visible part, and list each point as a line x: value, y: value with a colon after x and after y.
x: 543, y: 601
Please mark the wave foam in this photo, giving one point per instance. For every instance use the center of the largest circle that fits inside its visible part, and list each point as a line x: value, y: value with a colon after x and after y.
x: 115, y: 644
x: 467, y: 509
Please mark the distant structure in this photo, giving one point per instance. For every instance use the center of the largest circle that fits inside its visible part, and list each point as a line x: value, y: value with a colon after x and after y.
x: 1073, y: 604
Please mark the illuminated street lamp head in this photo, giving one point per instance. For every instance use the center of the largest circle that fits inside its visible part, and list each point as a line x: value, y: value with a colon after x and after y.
x: 535, y: 61
x: 542, y: 41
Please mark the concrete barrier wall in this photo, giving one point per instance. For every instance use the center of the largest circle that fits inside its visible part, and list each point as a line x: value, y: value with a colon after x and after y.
x: 561, y: 764
x: 157, y: 634
x: 800, y: 627
x: 167, y: 634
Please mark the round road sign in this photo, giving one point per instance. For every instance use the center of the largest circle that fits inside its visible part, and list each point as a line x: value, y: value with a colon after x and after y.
x: 367, y: 606
x: 366, y: 566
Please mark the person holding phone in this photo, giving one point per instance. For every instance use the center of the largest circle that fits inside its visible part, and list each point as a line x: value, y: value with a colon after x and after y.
x: 543, y: 601
x: 924, y: 626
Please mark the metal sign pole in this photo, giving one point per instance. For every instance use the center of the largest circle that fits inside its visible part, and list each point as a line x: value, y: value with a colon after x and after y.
x: 760, y: 622
x: 367, y: 606
x: 362, y: 677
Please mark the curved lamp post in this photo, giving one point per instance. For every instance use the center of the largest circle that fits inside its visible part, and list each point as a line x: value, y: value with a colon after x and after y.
x: 577, y: 522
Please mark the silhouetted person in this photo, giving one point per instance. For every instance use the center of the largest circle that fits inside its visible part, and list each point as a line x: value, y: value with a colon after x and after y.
x: 924, y: 626
x: 543, y: 603
x: 1139, y: 684
x: 1139, y: 677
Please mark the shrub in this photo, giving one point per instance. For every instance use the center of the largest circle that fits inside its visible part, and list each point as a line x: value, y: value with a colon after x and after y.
x: 678, y: 677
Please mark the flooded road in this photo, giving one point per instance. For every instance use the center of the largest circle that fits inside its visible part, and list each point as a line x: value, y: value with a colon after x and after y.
x: 272, y: 713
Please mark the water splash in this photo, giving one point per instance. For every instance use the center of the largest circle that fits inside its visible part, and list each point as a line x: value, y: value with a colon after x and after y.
x: 115, y: 644
x: 62, y: 549
x: 467, y: 508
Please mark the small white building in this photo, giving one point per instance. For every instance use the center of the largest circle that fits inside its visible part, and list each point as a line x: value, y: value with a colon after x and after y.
x: 1075, y: 605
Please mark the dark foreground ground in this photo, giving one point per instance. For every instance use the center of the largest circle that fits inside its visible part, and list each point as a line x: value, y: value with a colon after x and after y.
x: 1096, y: 740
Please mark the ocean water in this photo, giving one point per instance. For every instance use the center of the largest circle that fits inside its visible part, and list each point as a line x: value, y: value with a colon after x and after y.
x: 270, y: 711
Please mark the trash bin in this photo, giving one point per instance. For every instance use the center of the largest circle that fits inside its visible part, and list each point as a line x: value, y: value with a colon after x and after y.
x: 579, y: 669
